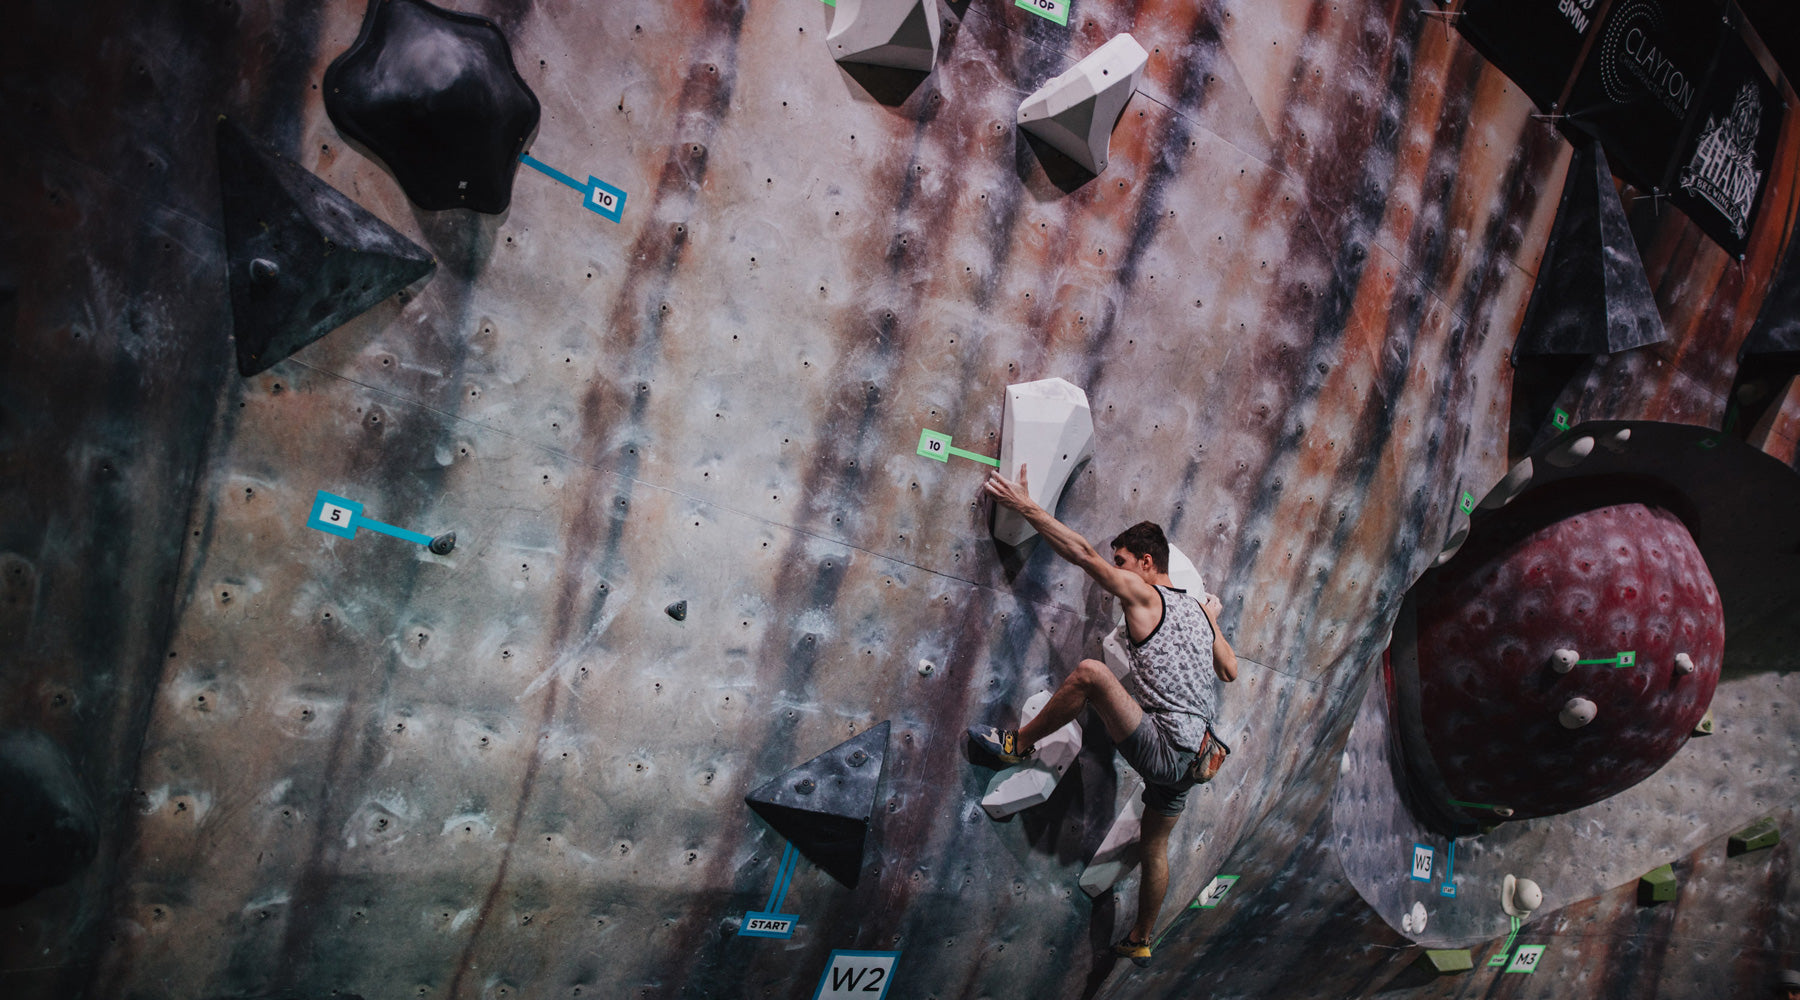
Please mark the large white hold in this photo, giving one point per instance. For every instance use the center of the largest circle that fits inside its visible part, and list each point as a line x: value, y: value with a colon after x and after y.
x: 1117, y: 854
x: 899, y: 33
x: 1047, y: 429
x: 1031, y: 783
x: 1076, y: 111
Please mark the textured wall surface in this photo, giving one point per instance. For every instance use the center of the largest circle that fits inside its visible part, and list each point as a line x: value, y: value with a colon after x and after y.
x: 347, y: 764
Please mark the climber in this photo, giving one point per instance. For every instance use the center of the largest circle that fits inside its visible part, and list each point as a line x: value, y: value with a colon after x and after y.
x: 1161, y: 717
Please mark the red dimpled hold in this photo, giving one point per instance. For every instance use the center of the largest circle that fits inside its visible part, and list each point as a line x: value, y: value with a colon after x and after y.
x: 1622, y: 579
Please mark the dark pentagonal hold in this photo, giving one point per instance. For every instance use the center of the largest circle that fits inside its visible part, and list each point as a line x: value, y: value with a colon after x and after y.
x: 301, y: 258
x: 50, y: 830
x: 1592, y: 296
x: 435, y: 95
x: 823, y: 806
x: 677, y: 611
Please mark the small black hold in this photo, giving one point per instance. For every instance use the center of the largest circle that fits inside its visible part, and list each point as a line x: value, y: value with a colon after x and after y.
x: 805, y: 786
x: 677, y: 611
x: 859, y: 758
x: 264, y: 270
x: 442, y: 544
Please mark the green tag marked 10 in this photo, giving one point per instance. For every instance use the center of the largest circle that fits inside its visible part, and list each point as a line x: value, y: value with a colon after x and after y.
x: 1050, y: 10
x: 1559, y: 419
x: 1467, y: 505
x: 1500, y: 956
x: 936, y: 445
x: 1617, y: 661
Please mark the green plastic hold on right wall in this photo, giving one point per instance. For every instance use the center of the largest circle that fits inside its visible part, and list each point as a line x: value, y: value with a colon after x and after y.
x: 1659, y: 886
x: 1759, y: 835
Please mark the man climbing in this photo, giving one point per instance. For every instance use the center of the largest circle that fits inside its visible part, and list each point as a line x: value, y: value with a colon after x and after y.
x: 1161, y: 717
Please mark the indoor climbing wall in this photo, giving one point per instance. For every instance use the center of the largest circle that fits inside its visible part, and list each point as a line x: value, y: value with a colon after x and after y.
x: 472, y: 524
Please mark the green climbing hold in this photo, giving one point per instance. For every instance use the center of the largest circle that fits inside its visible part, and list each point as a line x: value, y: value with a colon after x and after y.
x: 1658, y: 886
x: 1705, y: 726
x: 1445, y: 961
x: 1755, y: 837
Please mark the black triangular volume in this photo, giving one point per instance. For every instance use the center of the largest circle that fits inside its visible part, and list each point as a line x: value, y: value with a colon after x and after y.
x: 823, y: 806
x: 1591, y: 296
x: 301, y: 258
x: 1777, y: 327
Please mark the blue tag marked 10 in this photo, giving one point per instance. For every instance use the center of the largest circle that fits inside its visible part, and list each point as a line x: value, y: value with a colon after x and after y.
x: 1448, y: 889
x: 335, y: 515
x: 597, y: 196
x: 1050, y: 10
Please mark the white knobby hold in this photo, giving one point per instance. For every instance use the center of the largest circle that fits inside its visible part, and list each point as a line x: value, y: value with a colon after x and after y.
x: 1519, y: 896
x: 1076, y: 111
x: 1511, y: 486
x: 1570, y: 454
x: 1563, y: 660
x: 1414, y: 921
x: 1684, y: 664
x: 1032, y: 782
x: 1048, y: 429
x: 1115, y: 855
x: 1617, y: 440
x: 1576, y: 712
x: 899, y: 33
x: 1453, y: 545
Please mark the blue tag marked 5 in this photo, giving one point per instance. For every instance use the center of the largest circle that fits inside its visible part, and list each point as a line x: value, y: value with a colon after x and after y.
x: 597, y: 196
x: 335, y: 515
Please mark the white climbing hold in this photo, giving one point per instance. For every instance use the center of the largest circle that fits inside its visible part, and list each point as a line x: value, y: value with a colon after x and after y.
x: 1684, y: 664
x: 1576, y: 712
x: 1048, y: 430
x: 1032, y: 782
x: 1414, y: 921
x: 1511, y: 486
x: 1519, y: 896
x: 1453, y: 545
x: 1115, y: 855
x: 1570, y: 454
x: 1076, y: 111
x: 1616, y: 441
x: 927, y: 668
x: 1563, y: 660
x: 899, y: 33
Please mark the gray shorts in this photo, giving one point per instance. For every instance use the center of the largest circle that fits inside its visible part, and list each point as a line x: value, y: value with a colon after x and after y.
x: 1163, y: 765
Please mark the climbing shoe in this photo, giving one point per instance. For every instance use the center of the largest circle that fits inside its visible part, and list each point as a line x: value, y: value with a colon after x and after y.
x: 1137, y: 951
x: 1000, y: 744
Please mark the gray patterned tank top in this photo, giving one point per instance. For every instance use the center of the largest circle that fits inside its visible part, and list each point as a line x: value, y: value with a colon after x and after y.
x: 1172, y: 670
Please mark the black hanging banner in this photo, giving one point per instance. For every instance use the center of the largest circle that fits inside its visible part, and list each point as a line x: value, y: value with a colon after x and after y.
x: 1535, y: 42
x: 1719, y: 175
x: 1641, y: 81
